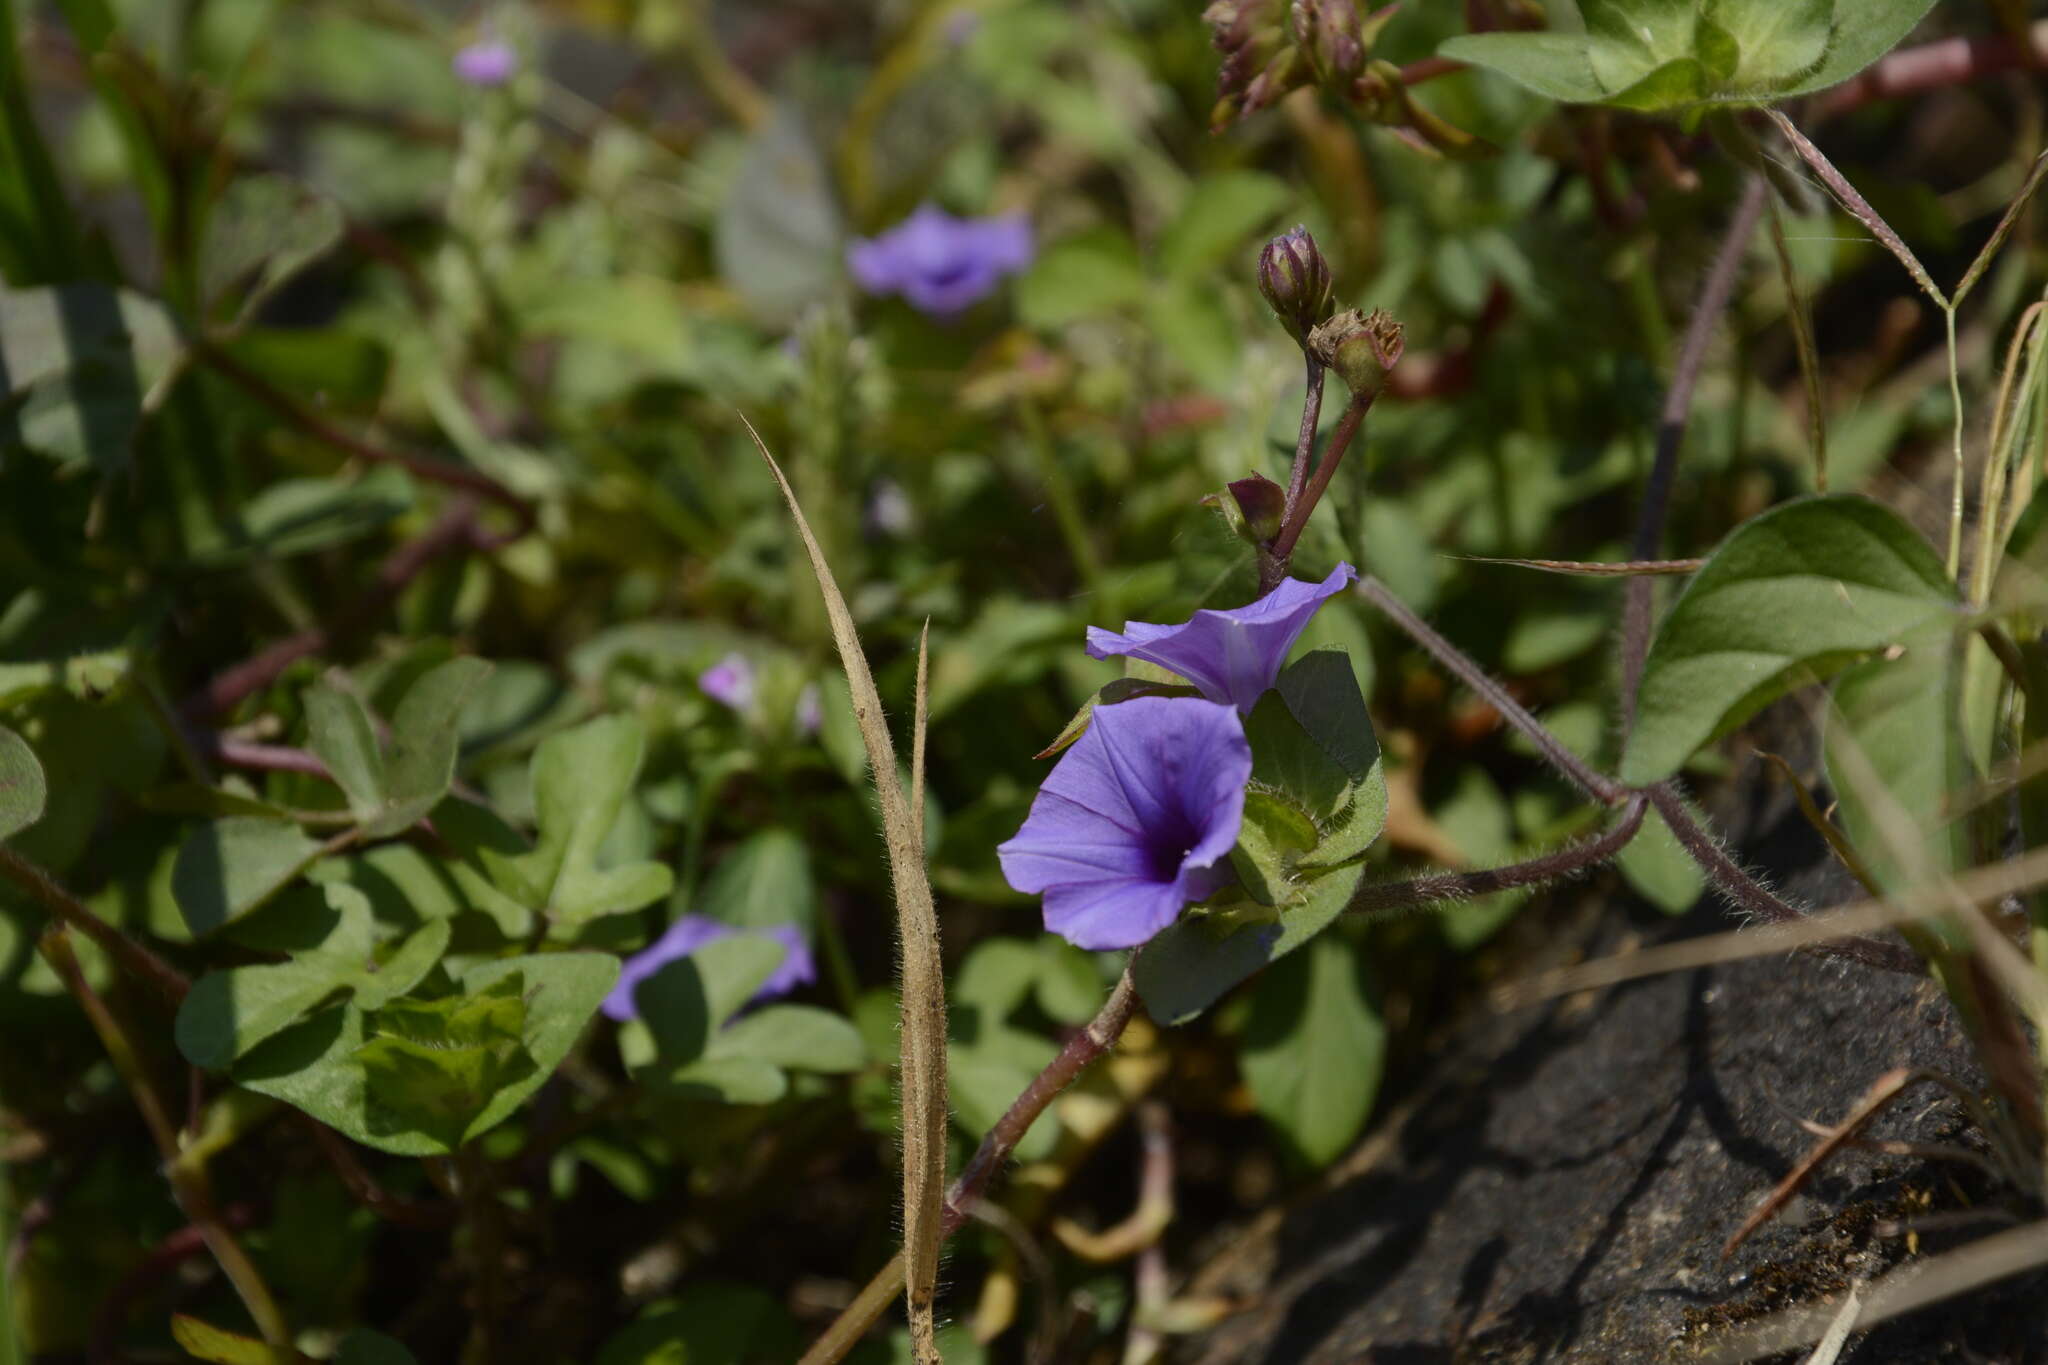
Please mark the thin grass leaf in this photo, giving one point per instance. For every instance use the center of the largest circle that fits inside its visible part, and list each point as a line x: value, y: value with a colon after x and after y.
x: 2004, y: 228
x: 1809, y: 353
x: 1588, y: 568
x: 1980, y: 886
x: 918, y: 724
x: 1882, y: 1092
x: 923, y: 1016
x: 1823, y: 826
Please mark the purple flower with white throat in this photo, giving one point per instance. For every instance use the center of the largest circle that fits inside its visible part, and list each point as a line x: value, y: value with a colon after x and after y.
x: 692, y: 932
x: 486, y: 63
x: 730, y: 681
x: 1230, y: 656
x: 1136, y: 822
x: 941, y: 263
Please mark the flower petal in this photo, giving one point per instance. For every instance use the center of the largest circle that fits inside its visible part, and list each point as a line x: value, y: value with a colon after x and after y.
x: 1233, y: 655
x: 1104, y: 915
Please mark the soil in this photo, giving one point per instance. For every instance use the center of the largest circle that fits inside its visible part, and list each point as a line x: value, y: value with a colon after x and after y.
x: 1560, y: 1188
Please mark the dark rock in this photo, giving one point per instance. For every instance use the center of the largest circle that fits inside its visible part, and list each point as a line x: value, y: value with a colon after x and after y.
x: 1559, y: 1188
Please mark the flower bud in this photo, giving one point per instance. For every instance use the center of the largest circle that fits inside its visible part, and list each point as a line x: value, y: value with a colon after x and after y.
x: 1259, y: 58
x: 1360, y: 348
x: 1262, y: 502
x: 1332, y: 36
x: 1295, y: 279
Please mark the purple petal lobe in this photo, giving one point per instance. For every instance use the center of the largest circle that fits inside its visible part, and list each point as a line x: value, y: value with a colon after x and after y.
x: 487, y: 62
x: 940, y: 263
x: 1232, y: 656
x: 1135, y: 821
x: 729, y: 681
x: 691, y: 932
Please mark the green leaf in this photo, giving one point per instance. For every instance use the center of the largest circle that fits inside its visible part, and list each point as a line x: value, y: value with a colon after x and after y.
x: 1314, y: 1050
x: 1558, y: 65
x: 779, y: 237
x: 228, y: 868
x: 1112, y: 692
x: 1275, y: 834
x: 581, y: 779
x: 388, y: 796
x: 1863, y: 31
x: 267, y: 227
x: 204, y: 1341
x: 1085, y: 276
x: 1774, y: 42
x: 1069, y: 988
x: 794, y: 1037
x: 728, y: 1080
x: 75, y: 363
x: 1792, y: 595
x: 298, y: 516
x: 688, y: 1000
x: 316, y: 1066
x: 1312, y: 740
x: 1659, y: 869
x: 229, y: 1011
x: 23, y: 789
x: 763, y: 883
x: 1894, y: 752
x: 431, y: 1066
x: 1222, y: 210
x: 712, y: 1322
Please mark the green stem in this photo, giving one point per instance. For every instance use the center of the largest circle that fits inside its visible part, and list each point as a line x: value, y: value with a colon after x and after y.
x: 1066, y: 507
x: 189, y: 1184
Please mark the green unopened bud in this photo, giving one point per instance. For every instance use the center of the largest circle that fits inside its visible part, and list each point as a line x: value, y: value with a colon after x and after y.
x: 1331, y: 34
x: 1295, y: 279
x: 1359, y: 348
x: 1262, y: 503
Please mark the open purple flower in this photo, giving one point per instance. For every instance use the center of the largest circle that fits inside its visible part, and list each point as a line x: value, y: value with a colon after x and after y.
x: 692, y: 932
x: 1136, y: 822
x: 730, y: 681
x: 487, y: 62
x: 941, y: 263
x: 1231, y: 656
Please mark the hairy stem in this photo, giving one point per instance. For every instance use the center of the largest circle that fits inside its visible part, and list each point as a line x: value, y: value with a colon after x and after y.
x: 1080, y: 1052
x: 1457, y: 886
x: 1744, y: 890
x: 1596, y: 785
x: 1305, y: 442
x: 1273, y: 565
x: 1692, y: 354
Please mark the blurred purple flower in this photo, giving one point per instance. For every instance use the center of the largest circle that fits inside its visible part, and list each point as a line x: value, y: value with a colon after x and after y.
x: 1231, y: 656
x: 888, y: 512
x: 730, y: 681
x: 692, y: 932
x: 1136, y: 822
x: 810, y: 710
x: 487, y: 62
x: 941, y: 263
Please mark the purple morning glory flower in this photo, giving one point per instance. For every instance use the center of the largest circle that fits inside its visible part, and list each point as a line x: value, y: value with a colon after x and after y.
x: 810, y: 709
x: 1231, y: 656
x: 692, y: 932
x: 730, y: 680
x: 1136, y: 822
x: 941, y: 263
x: 486, y: 63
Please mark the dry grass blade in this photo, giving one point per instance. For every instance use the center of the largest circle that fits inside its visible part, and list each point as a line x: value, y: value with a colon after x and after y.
x: 1593, y: 568
x: 1830, y: 1349
x: 920, y: 719
x: 1882, y: 1092
x: 1837, y: 842
x: 924, y: 988
x: 1859, y: 208
x: 1911, y: 1286
x: 1978, y: 887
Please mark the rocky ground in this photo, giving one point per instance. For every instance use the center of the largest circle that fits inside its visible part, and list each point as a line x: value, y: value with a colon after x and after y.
x: 1559, y: 1189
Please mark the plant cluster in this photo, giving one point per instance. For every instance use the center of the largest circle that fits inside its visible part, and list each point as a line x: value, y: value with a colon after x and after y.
x: 448, y: 789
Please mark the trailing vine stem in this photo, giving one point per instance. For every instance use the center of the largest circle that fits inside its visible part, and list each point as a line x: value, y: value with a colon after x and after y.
x: 997, y: 1145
